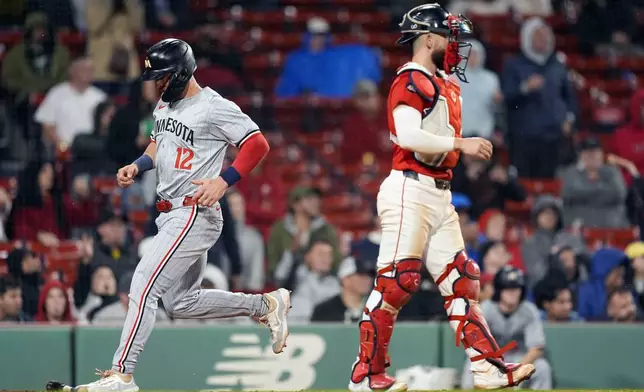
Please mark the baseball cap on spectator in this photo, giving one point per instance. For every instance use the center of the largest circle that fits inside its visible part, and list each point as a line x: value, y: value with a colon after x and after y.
x: 351, y: 266
x: 317, y: 25
x: 589, y: 143
x: 635, y: 250
x: 365, y: 87
x: 108, y: 215
x: 460, y: 201
x: 301, y: 192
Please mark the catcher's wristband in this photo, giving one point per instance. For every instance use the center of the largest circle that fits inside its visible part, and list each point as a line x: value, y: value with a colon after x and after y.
x: 144, y: 163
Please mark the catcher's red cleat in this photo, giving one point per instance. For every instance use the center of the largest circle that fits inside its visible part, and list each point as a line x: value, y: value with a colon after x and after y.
x: 362, y: 381
x: 494, y: 378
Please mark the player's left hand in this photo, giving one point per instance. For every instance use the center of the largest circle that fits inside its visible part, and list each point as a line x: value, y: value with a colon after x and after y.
x: 210, y: 191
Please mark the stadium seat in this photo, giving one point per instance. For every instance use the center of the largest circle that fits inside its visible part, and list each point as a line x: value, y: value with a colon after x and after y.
x: 541, y: 186
x: 618, y: 238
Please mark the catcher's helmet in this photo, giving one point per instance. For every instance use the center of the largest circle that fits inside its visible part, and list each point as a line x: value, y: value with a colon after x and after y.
x: 172, y: 57
x: 432, y: 18
x: 508, y: 278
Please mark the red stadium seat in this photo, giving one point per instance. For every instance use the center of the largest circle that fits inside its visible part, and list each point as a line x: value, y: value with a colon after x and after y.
x: 618, y: 238
x: 541, y: 186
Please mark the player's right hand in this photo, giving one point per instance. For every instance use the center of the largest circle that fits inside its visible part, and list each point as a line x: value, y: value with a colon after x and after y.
x: 126, y: 174
x: 476, y: 147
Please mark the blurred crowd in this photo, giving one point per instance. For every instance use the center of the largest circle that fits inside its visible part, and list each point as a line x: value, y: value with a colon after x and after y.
x: 561, y: 201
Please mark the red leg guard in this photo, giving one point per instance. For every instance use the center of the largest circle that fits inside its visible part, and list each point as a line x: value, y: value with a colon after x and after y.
x: 462, y: 305
x: 394, y: 288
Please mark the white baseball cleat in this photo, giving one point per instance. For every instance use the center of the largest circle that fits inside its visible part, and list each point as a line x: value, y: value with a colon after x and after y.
x: 110, y: 381
x: 494, y: 378
x: 279, y: 303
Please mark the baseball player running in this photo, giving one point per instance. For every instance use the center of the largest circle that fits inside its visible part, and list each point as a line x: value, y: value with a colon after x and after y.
x: 192, y: 128
x: 418, y: 221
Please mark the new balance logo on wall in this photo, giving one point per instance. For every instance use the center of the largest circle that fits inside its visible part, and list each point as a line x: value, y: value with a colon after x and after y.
x: 248, y: 365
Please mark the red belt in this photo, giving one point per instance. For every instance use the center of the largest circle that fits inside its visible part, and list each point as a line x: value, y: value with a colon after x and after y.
x: 166, y: 205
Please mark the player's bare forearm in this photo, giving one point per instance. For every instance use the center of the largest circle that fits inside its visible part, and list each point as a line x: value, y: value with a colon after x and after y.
x: 532, y: 355
x: 151, y: 151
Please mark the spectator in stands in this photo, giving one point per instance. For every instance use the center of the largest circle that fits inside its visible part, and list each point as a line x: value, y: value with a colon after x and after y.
x: 225, y: 254
x: 367, y: 247
x: 365, y: 130
x: 540, y: 102
x: 628, y: 141
x: 11, y: 301
x: 593, y: 192
x: 89, y: 151
x: 635, y: 253
x: 621, y: 307
x: 54, y: 306
x: 265, y: 195
x: 252, y: 250
x: 112, y: 26
x: 548, y: 223
x: 25, y: 266
x: 356, y: 277
x: 68, y: 108
x: 311, y: 280
x: 606, y: 22
x: 5, y: 210
x: 303, y: 225
x: 112, y: 248
x: 568, y: 262
x: 555, y: 304
x: 219, y: 63
x: 33, y: 66
x: 487, y: 184
x: 511, y: 316
x: 502, y: 7
x: 167, y: 14
x: 43, y: 213
x: 481, y: 96
x: 487, y: 287
x: 116, y: 312
x: 494, y: 256
x: 103, y: 292
x: 469, y: 227
x: 313, y: 69
x: 607, y: 275
x: 131, y: 127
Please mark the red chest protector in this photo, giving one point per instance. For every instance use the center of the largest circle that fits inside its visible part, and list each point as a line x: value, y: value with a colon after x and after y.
x: 439, y: 100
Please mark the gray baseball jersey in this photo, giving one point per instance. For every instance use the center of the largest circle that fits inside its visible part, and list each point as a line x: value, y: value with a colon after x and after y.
x: 192, y: 137
x: 524, y: 325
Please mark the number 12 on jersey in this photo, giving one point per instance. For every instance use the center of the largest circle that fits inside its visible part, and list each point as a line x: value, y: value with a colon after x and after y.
x: 184, y: 158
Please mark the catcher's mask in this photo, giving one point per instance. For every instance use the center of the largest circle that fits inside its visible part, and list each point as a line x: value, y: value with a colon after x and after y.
x: 432, y: 18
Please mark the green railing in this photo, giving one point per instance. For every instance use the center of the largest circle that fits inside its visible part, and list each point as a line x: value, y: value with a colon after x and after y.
x: 317, y: 356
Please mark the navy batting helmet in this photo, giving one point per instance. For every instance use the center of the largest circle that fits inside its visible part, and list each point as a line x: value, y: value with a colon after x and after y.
x: 172, y: 57
x: 432, y: 18
x: 508, y: 278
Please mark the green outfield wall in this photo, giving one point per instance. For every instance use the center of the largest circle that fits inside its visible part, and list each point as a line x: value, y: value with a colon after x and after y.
x: 317, y: 357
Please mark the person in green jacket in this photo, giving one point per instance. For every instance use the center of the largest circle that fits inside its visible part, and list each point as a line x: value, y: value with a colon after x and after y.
x: 303, y: 224
x: 37, y: 63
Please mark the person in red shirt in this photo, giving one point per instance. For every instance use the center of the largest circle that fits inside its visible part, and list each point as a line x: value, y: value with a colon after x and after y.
x: 419, y: 223
x: 362, y: 130
x: 628, y: 141
x: 43, y: 213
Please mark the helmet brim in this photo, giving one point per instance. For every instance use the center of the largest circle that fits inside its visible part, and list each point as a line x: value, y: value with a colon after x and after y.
x: 155, y: 74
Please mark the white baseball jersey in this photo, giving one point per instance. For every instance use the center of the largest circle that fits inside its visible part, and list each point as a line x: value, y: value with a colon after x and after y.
x: 192, y: 136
